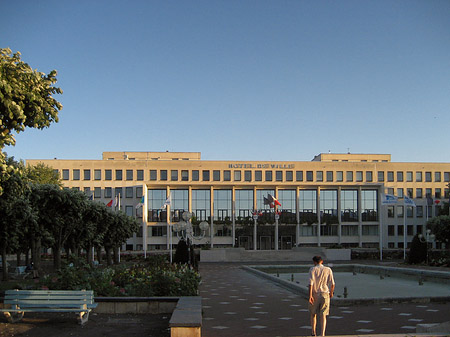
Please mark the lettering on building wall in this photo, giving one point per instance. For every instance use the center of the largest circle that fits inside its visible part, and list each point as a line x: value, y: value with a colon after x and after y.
x: 261, y: 166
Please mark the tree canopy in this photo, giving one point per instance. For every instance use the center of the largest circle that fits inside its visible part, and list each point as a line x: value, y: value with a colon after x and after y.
x: 26, y: 100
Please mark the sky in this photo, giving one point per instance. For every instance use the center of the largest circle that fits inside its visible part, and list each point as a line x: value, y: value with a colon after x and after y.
x: 279, y: 80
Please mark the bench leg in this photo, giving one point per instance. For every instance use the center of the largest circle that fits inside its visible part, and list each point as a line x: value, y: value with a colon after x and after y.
x: 14, y: 317
x: 83, y: 317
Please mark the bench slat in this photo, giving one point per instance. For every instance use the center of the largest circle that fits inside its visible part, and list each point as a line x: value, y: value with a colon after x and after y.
x: 46, y: 310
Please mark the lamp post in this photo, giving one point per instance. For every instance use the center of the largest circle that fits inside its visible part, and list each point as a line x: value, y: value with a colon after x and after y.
x: 185, y: 231
x: 428, y: 238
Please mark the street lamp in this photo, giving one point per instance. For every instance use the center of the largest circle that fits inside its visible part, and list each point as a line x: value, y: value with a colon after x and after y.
x: 428, y: 238
x: 185, y: 230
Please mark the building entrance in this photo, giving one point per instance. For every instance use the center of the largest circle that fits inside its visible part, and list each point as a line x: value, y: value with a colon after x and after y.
x: 265, y: 243
x: 245, y: 242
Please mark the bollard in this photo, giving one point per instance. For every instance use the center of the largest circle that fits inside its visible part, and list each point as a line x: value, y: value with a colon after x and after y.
x: 345, y: 292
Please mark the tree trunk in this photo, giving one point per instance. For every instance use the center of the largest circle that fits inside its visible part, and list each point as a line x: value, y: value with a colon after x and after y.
x: 27, y: 257
x: 19, y: 262
x: 56, y: 250
x: 4, y: 266
x: 99, y: 254
x: 109, y: 261
x: 89, y: 255
x: 116, y: 255
x: 36, y: 256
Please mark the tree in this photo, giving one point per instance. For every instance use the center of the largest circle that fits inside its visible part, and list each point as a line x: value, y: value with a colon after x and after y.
x: 440, y: 227
x: 418, y: 251
x: 43, y: 174
x: 11, y: 211
x: 25, y: 101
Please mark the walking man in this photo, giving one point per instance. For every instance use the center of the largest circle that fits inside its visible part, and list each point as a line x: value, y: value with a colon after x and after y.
x: 321, y: 289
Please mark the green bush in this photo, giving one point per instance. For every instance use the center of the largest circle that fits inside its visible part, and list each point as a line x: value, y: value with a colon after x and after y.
x: 154, y: 277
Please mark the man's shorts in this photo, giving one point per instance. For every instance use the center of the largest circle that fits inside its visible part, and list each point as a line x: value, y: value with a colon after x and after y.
x: 321, y: 304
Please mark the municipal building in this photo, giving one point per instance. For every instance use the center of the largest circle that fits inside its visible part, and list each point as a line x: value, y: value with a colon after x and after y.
x: 334, y: 199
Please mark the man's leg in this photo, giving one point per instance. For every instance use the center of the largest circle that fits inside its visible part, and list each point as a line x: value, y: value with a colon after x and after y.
x: 323, y: 323
x: 313, y: 324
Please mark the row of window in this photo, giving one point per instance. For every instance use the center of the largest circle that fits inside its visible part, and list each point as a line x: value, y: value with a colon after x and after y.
x: 247, y: 175
x: 419, y: 193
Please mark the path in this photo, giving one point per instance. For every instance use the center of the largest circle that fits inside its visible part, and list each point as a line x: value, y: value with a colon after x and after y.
x: 237, y: 303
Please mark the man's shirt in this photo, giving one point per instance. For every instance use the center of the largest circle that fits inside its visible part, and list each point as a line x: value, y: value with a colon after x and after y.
x: 320, y: 279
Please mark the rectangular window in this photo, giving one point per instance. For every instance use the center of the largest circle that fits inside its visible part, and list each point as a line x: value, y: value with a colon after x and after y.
x: 268, y: 175
x: 369, y: 177
x: 399, y: 211
x: 419, y: 211
x: 299, y: 175
x: 437, y: 177
x: 65, y: 174
x: 390, y: 191
x: 309, y: 176
x: 409, y: 192
x: 349, y: 176
x: 184, y: 175
x: 390, y: 176
x: 129, y: 192
x: 258, y: 175
x: 428, y: 177
x: 418, y: 176
x: 129, y: 210
x: 118, y: 191
x: 139, y: 192
x: 446, y: 176
x: 409, y: 176
x: 97, y: 192
x: 289, y: 176
x: 140, y: 175
x: 237, y: 176
x: 87, y: 174
x: 390, y: 210
x: 419, y: 193
x: 428, y: 192
x: 359, y: 176
x: 391, y: 230
x: 248, y: 175
x: 400, y: 193
x: 399, y: 176
x: 108, y: 174
x: 118, y: 174
x: 227, y: 175
x: 437, y: 193
x: 129, y: 174
x: 76, y: 174
x: 319, y: 175
x: 108, y: 192
x: 205, y: 175
x: 380, y: 176
x: 339, y: 176
x: 279, y: 175
x: 153, y: 175
x: 409, y: 212
x: 97, y: 174
x: 216, y: 175
x: 163, y: 175
x: 329, y: 176
x: 174, y: 175
x: 195, y: 175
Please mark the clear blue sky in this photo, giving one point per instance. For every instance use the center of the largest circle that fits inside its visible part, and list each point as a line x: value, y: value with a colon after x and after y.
x: 238, y: 79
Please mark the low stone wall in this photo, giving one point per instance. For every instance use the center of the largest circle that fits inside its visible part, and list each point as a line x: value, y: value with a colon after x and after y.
x: 297, y: 254
x: 186, y: 319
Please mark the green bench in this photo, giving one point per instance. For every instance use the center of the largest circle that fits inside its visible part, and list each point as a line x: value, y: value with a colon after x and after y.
x: 21, y: 301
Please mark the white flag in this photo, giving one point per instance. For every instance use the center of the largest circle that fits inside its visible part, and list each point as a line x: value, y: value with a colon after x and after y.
x: 409, y: 202
x: 166, y: 203
x: 389, y: 199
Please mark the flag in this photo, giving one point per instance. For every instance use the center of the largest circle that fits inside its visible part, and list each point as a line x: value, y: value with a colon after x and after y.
x: 274, y: 200
x: 166, y: 203
x: 409, y: 202
x: 389, y: 199
x: 109, y: 204
x: 266, y: 201
x: 141, y: 203
x: 429, y: 200
x: 116, y: 201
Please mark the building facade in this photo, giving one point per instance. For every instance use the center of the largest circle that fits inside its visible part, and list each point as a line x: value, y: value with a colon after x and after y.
x: 335, y: 199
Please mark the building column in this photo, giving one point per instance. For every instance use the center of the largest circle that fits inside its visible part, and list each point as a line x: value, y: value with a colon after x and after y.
x: 233, y: 216
x: 359, y: 216
x: 276, y: 221
x: 211, y: 206
x: 318, y: 215
x: 297, y: 215
x: 339, y: 206
x: 255, y: 225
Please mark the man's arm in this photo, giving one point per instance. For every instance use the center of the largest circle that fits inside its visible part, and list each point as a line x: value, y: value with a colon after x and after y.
x: 332, y: 290
x: 311, y: 298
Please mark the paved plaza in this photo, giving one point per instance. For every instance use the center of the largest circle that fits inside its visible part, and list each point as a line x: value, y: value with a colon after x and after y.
x: 238, y: 303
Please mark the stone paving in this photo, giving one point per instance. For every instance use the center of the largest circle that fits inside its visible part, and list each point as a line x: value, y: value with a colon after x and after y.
x: 238, y: 303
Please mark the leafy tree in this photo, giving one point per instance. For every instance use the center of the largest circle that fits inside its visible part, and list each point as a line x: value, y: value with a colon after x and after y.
x: 43, y: 174
x: 440, y: 227
x: 25, y: 101
x: 418, y: 251
x: 11, y: 209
